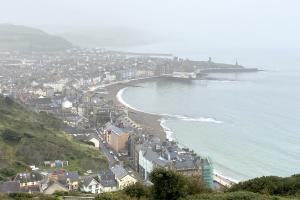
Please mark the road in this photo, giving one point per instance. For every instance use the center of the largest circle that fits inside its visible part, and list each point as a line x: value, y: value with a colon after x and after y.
x: 106, y: 151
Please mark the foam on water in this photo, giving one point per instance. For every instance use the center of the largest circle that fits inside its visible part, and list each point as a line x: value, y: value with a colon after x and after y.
x: 193, y: 119
x: 165, y: 117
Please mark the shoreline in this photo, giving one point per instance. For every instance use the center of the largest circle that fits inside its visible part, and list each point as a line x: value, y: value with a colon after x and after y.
x: 151, y: 122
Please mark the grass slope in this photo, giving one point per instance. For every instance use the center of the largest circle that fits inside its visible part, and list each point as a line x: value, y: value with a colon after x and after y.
x: 29, y: 138
x: 236, y: 196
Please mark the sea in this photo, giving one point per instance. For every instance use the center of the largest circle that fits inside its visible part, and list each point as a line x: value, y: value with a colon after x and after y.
x: 247, y: 124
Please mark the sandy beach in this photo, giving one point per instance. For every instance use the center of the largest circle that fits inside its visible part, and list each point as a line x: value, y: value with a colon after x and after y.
x: 149, y: 122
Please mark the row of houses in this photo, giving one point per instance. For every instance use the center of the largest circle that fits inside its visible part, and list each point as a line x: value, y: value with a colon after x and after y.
x: 151, y: 153
x: 147, y: 152
x: 113, y: 179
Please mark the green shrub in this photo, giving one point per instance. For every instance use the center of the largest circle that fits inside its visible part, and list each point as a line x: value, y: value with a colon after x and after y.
x: 230, y: 196
x: 113, y: 196
x: 7, y: 172
x: 167, y: 184
x: 270, y: 185
x: 137, y: 190
x: 11, y: 136
x: 20, y: 195
x: 196, y: 186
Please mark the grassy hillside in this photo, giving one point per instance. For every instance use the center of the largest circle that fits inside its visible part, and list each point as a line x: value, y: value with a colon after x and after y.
x: 271, y: 185
x: 29, y: 138
x: 236, y: 196
x: 22, y: 38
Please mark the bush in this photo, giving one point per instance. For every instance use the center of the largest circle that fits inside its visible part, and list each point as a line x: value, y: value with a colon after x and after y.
x: 2, y: 178
x: 26, y: 196
x: 11, y: 136
x: 270, y: 185
x: 137, y: 190
x: 167, y: 184
x: 7, y: 172
x: 196, y: 186
x: 20, y: 195
x: 230, y: 196
x: 113, y: 196
x: 8, y: 101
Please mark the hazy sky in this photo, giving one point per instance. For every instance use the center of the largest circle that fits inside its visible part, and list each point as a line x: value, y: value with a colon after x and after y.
x: 252, y: 24
x: 228, y: 16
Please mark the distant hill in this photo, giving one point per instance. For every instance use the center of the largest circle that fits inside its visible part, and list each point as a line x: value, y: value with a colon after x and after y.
x: 22, y: 38
x: 28, y: 138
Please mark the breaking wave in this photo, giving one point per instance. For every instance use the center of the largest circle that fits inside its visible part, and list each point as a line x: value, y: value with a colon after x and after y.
x: 193, y: 119
x: 166, y: 117
x: 169, y: 116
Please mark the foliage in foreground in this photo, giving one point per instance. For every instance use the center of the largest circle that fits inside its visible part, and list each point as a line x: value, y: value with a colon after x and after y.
x: 271, y: 185
x: 25, y: 196
x: 166, y: 185
x: 242, y: 195
x: 171, y: 185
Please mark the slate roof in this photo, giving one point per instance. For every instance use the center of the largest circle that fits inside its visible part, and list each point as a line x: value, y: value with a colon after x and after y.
x: 187, y: 164
x: 31, y: 189
x: 9, y: 187
x: 73, y: 176
x: 56, y: 183
x: 113, y: 128
x: 87, y: 180
x: 119, y: 172
x: 44, y: 101
x: 155, y: 158
x: 28, y: 177
x: 107, y: 179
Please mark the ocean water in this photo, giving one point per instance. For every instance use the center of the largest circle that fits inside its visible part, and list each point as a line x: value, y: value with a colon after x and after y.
x: 249, y: 127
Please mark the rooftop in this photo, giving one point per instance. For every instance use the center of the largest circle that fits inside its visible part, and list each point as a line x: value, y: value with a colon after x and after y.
x: 9, y: 187
x: 119, y: 171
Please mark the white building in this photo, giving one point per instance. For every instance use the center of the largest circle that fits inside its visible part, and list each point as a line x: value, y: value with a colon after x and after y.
x: 91, y: 185
x: 185, y: 75
x: 95, y: 141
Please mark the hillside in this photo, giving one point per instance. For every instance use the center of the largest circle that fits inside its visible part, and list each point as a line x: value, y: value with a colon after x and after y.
x: 29, y: 138
x: 22, y: 38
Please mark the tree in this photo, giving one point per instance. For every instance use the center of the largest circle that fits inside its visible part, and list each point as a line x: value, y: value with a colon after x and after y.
x: 270, y: 185
x: 195, y: 185
x: 137, y: 190
x: 167, y: 184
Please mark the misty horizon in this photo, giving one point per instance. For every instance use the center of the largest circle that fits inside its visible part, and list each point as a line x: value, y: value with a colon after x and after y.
x: 237, y: 24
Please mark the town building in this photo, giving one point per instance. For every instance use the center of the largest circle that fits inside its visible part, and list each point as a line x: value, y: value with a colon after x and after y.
x: 115, y: 137
x: 91, y: 185
x: 10, y: 187
x: 55, y: 187
x: 122, y: 176
x: 107, y: 181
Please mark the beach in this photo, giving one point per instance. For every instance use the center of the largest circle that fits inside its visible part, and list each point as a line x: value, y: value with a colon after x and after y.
x: 150, y: 123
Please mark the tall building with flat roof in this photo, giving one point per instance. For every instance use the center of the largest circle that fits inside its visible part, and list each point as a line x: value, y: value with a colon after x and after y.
x: 116, y: 137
